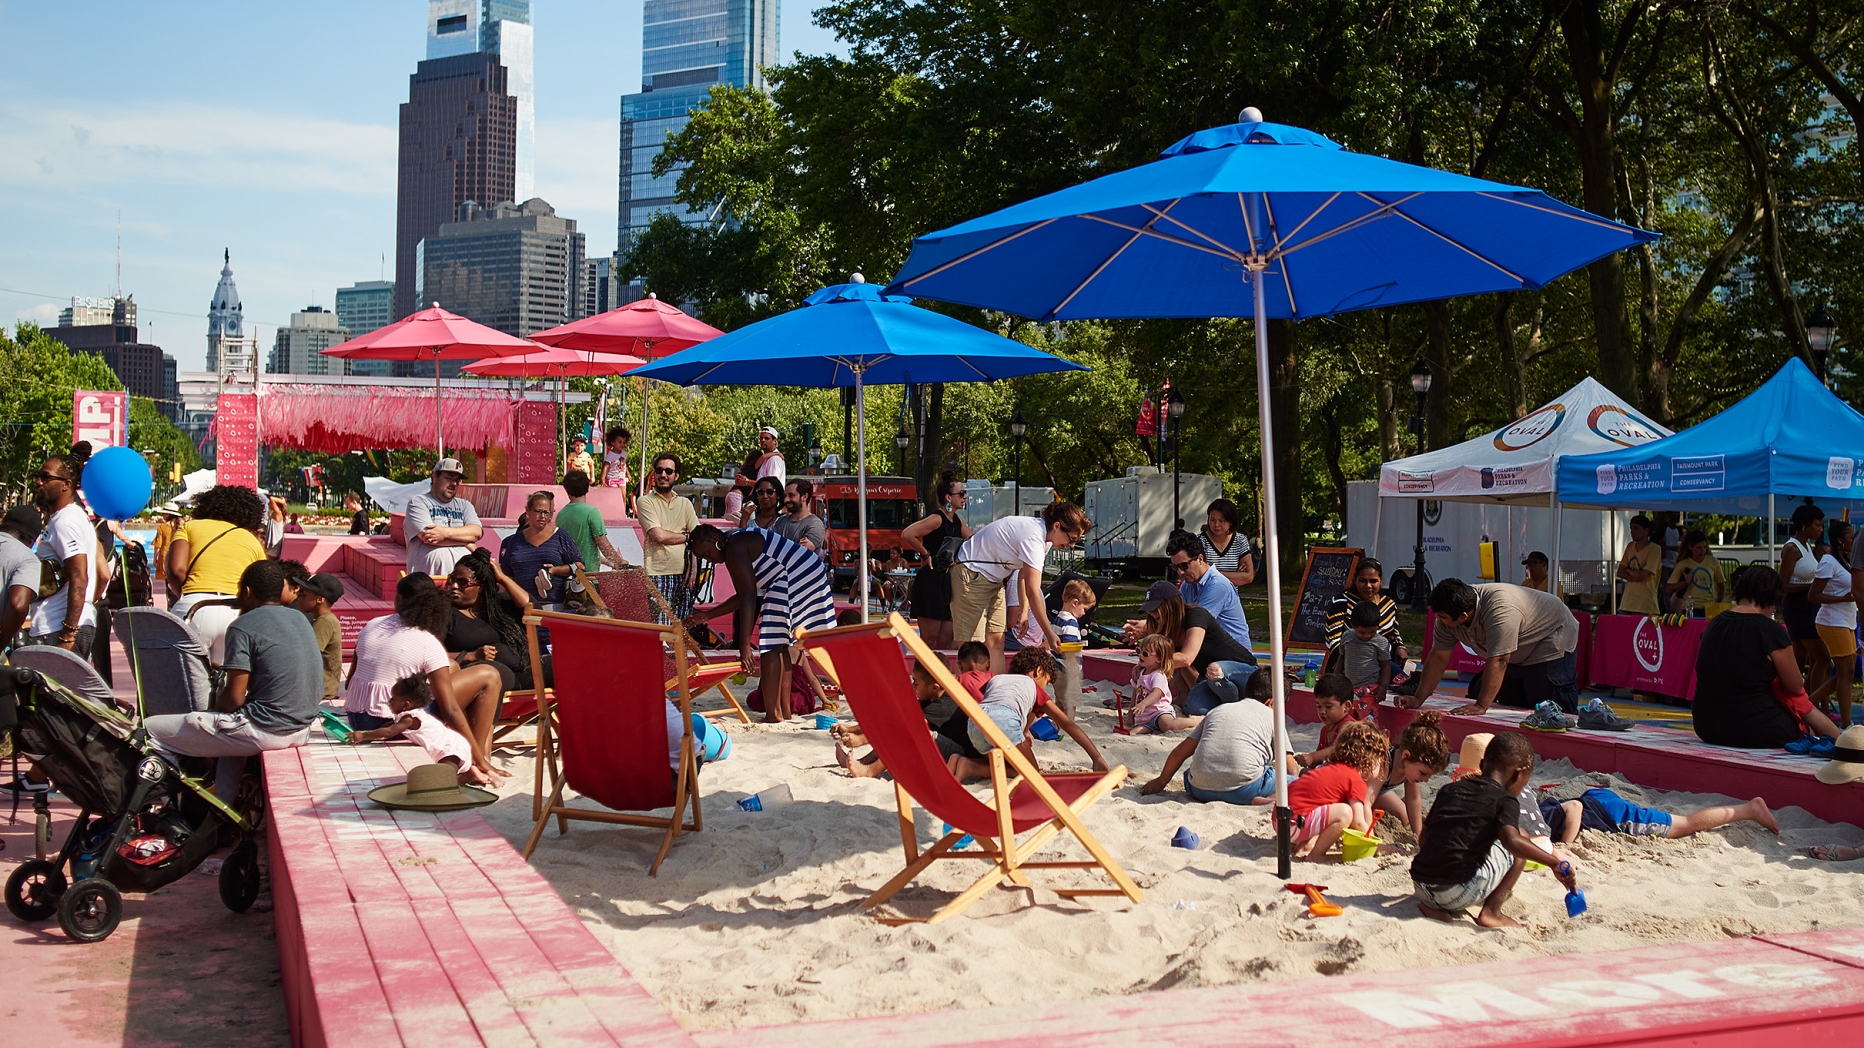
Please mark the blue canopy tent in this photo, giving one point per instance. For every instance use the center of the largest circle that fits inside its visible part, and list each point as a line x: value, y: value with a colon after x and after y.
x: 855, y: 335
x: 1791, y: 437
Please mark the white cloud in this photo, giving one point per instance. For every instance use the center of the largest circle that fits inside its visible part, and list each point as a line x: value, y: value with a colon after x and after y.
x: 48, y: 143
x: 578, y: 165
x: 45, y: 314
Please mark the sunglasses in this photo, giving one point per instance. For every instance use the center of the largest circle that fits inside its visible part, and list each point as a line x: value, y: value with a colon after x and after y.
x: 669, y: 471
x: 42, y: 476
x: 1181, y: 567
x: 463, y: 583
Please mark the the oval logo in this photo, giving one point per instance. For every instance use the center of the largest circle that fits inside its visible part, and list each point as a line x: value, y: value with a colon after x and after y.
x: 1647, y: 644
x: 1620, y: 426
x: 1531, y: 428
x: 1433, y: 511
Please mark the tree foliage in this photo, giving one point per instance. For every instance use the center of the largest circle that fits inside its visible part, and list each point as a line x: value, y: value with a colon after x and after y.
x: 1729, y: 126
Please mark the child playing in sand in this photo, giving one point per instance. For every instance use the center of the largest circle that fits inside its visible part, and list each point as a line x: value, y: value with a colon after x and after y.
x: 974, y: 667
x: 409, y: 699
x: 1472, y: 849
x: 1334, y: 796
x: 1152, y: 709
x: 1366, y: 654
x: 938, y: 708
x: 1077, y: 600
x: 1333, y: 701
x: 1231, y: 751
x: 1603, y: 809
x: 1421, y: 752
x: 1012, y: 701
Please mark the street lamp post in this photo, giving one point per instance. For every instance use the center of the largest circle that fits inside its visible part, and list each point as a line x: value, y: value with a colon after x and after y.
x: 1420, y: 384
x: 1017, y: 428
x: 1821, y: 332
x: 1174, y: 409
x: 901, y: 440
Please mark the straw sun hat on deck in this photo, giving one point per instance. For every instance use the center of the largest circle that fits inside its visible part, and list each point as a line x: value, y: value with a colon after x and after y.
x: 431, y: 787
x: 1847, y: 763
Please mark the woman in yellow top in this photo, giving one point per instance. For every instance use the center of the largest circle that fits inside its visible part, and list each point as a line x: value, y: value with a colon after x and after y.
x: 1696, y: 581
x: 1641, y: 568
x: 208, y: 555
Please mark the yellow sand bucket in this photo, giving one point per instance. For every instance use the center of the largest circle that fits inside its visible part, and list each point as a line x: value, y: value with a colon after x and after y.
x: 1068, y: 647
x: 1355, y: 846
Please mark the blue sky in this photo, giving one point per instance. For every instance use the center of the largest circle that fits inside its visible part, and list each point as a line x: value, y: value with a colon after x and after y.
x: 267, y: 129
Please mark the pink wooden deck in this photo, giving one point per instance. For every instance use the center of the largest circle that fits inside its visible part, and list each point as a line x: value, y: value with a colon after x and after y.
x: 407, y: 928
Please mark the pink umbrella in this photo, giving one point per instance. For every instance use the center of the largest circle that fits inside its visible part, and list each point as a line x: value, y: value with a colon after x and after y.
x: 558, y: 363
x: 648, y: 328
x: 433, y: 334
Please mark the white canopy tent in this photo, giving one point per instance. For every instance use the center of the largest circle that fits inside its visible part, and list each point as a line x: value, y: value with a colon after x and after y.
x: 1515, y: 465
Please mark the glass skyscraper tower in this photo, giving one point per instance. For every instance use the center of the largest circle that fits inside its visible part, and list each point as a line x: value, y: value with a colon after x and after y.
x: 687, y: 46
x: 502, y: 28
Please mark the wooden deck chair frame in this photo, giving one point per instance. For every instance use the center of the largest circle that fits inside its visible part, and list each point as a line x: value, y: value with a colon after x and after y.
x: 686, y: 781
x: 1008, y: 858
x: 685, y: 641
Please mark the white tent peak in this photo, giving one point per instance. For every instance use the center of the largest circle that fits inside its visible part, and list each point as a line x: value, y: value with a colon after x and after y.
x: 1515, y: 464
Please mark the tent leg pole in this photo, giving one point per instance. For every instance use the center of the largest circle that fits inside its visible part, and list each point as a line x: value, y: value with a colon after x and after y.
x: 1611, y: 579
x: 860, y: 481
x: 1284, y: 854
x: 1553, y: 569
x: 1771, y: 527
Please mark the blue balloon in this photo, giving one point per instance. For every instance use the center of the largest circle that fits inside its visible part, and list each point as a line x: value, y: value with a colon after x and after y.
x: 117, y: 483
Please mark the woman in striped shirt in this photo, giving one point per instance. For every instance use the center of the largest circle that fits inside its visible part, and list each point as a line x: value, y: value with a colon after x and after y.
x: 1224, y: 547
x: 784, y: 583
x: 1368, y: 580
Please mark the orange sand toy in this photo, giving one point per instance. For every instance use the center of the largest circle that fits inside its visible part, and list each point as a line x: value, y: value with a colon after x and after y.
x: 1317, y: 904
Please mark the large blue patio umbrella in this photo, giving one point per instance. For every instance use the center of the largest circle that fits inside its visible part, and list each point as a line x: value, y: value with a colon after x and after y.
x: 854, y: 335
x: 1266, y: 221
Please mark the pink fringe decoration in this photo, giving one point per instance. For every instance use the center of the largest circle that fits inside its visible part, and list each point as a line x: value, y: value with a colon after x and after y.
x: 337, y: 419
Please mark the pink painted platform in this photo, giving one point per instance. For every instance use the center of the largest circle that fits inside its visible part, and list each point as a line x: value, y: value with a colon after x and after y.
x: 1658, y: 757
x: 410, y: 929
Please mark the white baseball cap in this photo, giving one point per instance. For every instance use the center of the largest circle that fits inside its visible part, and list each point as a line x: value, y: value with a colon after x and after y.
x: 449, y: 465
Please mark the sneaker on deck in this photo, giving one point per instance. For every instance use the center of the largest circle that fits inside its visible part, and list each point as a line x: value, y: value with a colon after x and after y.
x: 1597, y: 716
x: 1547, y: 717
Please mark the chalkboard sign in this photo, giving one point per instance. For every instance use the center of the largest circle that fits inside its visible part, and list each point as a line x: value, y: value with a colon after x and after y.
x: 1329, y: 571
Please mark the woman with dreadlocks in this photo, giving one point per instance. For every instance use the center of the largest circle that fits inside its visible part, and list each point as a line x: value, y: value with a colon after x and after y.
x: 488, y: 620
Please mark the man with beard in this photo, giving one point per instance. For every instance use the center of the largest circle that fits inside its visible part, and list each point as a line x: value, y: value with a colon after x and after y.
x: 796, y: 523
x: 65, y: 618
x: 667, y: 521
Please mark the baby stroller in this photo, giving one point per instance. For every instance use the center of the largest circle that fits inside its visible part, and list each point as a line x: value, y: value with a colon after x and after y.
x: 144, y: 820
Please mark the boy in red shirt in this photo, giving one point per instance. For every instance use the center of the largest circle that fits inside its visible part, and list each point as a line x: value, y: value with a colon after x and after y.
x: 1334, y: 702
x: 1334, y: 796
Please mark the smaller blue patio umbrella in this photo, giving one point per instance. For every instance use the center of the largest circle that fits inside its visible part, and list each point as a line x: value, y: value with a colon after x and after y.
x: 854, y: 335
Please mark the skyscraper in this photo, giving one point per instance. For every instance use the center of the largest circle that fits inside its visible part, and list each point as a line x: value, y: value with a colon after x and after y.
x: 223, y: 313
x: 459, y: 127
x: 83, y: 312
x: 686, y: 47
x: 514, y: 267
x: 299, y: 349
x: 502, y: 28
x: 361, y: 308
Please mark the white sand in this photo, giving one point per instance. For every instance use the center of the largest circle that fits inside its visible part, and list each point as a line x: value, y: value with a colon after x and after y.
x: 754, y: 920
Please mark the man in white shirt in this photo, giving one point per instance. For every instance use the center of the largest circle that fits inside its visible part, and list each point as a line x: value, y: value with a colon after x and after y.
x: 1012, y: 546
x: 441, y: 528
x: 770, y: 463
x: 66, y: 618
x: 19, y: 569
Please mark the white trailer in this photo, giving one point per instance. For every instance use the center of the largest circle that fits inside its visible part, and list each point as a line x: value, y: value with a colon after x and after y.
x: 1387, y: 529
x: 1132, y: 515
x: 985, y: 502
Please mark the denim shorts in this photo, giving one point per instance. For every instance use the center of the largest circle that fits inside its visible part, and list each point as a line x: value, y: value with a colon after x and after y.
x: 1472, y: 892
x: 1244, y: 794
x: 360, y: 721
x: 1202, y: 698
x: 1006, y: 718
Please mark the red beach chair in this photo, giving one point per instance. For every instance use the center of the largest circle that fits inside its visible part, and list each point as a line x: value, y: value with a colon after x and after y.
x: 602, y: 730
x: 867, y: 663
x: 627, y: 593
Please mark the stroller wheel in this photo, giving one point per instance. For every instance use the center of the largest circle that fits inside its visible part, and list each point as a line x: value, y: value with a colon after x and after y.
x: 33, y: 890
x: 239, y: 877
x: 90, y: 910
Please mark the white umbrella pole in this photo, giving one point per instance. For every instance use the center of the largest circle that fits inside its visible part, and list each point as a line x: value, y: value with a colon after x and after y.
x: 1284, y: 856
x: 440, y: 442
x: 860, y: 479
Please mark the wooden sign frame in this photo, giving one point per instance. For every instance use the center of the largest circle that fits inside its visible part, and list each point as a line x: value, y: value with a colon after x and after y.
x: 1358, y: 553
